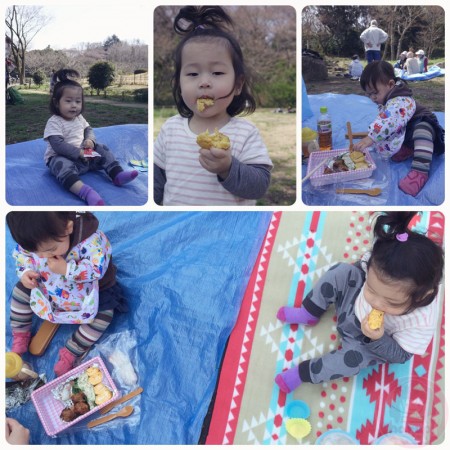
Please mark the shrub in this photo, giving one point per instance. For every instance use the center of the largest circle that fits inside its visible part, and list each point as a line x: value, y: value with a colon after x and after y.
x: 141, y: 95
x: 101, y: 75
x: 39, y: 77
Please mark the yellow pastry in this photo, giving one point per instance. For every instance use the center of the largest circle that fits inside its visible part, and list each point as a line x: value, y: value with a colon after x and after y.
x: 95, y: 375
x: 375, y: 319
x: 203, y: 103
x: 217, y: 140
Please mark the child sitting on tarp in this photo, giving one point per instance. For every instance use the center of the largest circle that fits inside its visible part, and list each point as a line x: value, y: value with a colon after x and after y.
x: 402, y: 128
x: 411, y: 64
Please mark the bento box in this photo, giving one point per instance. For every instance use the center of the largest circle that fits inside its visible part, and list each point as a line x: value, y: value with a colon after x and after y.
x: 319, y: 178
x: 50, y: 400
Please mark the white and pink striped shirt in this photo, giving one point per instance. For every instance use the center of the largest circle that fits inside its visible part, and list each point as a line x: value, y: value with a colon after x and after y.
x: 188, y: 183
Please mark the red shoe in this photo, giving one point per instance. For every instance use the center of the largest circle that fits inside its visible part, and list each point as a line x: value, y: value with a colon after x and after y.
x: 413, y: 182
x: 66, y: 362
x: 21, y: 340
x: 403, y: 154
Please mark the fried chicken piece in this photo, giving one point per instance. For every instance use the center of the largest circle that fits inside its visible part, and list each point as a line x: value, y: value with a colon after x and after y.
x: 217, y: 140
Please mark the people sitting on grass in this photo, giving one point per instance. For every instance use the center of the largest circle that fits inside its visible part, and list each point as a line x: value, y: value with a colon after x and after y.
x: 401, y: 60
x: 422, y: 60
x: 411, y: 64
x: 355, y: 68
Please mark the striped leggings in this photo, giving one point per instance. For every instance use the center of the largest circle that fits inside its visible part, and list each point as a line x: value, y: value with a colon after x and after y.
x: 84, y: 337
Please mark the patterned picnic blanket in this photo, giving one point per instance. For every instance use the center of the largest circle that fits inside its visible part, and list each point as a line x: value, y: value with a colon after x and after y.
x: 249, y: 407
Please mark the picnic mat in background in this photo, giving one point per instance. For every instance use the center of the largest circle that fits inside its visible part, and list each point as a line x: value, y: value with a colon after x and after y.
x: 249, y: 407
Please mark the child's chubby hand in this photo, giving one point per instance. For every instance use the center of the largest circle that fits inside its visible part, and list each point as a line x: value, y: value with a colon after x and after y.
x: 29, y: 279
x: 216, y: 160
x: 88, y: 143
x: 362, y: 144
x: 57, y: 264
x: 374, y: 335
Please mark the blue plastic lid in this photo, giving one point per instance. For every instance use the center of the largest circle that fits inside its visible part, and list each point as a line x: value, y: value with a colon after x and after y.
x: 298, y: 409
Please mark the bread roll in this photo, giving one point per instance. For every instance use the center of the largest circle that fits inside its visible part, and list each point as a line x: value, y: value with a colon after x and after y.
x: 217, y: 140
x: 375, y: 319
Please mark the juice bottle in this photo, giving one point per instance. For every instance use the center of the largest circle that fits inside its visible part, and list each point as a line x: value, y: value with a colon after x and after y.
x: 17, y: 369
x: 324, y: 129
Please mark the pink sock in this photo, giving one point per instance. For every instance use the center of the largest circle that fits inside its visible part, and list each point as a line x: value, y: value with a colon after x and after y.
x: 413, y: 182
x: 288, y: 380
x: 65, y: 363
x: 91, y: 197
x: 21, y: 340
x: 289, y: 314
x: 125, y: 177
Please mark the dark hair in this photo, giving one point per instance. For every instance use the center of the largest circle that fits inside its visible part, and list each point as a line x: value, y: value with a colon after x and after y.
x: 207, y: 23
x: 62, y: 80
x: 377, y: 71
x: 417, y: 260
x: 31, y: 228
x: 355, y: 57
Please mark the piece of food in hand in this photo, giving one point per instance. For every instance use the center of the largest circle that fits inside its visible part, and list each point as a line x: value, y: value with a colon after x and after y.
x: 203, y: 103
x: 375, y: 319
x: 217, y: 140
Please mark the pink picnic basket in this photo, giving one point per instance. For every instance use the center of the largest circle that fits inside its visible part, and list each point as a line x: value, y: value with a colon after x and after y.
x: 49, y: 408
x: 322, y: 157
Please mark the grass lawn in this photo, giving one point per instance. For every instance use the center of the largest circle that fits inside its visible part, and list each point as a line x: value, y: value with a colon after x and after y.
x: 26, y: 121
x: 279, y: 134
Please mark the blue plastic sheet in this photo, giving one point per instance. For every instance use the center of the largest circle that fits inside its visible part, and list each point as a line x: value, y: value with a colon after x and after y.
x: 360, y: 111
x: 433, y: 72
x: 29, y: 182
x: 184, y: 275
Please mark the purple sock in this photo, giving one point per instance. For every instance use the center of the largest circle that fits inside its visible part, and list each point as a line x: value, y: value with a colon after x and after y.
x: 90, y: 196
x: 125, y: 177
x: 289, y: 314
x: 288, y: 380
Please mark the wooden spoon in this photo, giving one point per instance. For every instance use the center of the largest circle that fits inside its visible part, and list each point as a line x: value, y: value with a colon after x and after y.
x: 373, y: 192
x: 124, y: 412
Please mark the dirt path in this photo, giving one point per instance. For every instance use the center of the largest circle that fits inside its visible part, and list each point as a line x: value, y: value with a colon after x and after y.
x: 115, y: 103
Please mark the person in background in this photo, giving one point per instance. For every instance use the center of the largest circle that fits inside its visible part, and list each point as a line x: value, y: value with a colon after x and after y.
x: 401, y: 60
x: 423, y: 61
x: 372, y: 38
x: 411, y: 64
x: 355, y: 68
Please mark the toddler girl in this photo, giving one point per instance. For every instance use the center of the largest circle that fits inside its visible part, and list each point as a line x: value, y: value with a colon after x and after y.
x: 71, y: 146
x: 66, y: 274
x: 400, y: 278
x: 210, y: 87
x: 403, y: 128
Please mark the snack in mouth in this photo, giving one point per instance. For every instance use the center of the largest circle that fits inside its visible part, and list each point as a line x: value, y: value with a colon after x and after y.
x: 217, y: 140
x: 203, y: 103
x: 375, y: 319
x: 347, y: 161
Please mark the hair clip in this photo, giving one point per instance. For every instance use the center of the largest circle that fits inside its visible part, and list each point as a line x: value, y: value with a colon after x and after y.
x: 401, y: 237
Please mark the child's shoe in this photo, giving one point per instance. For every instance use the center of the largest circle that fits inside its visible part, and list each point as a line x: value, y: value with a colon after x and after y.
x: 403, y: 154
x: 125, y: 177
x: 413, y: 182
x: 21, y: 340
x: 66, y: 362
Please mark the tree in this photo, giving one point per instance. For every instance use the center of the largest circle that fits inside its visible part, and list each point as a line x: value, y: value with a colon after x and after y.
x: 22, y: 25
x: 101, y: 75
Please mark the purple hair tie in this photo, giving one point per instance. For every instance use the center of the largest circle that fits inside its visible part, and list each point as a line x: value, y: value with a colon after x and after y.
x: 402, y: 237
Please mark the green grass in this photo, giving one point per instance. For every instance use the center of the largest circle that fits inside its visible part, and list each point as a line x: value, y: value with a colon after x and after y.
x: 26, y: 121
x: 279, y: 134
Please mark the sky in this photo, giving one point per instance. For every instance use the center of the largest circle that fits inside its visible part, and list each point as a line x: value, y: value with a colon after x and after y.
x: 82, y: 23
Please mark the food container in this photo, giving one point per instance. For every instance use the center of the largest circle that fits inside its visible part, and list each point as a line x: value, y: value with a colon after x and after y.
x: 18, y: 369
x: 323, y: 157
x: 309, y: 142
x: 49, y: 408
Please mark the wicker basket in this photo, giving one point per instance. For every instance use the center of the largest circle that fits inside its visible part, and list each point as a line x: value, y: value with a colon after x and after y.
x: 322, y: 157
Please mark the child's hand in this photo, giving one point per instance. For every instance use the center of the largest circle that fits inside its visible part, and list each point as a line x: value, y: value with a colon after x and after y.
x: 216, y: 161
x: 29, y: 279
x: 88, y: 143
x: 367, y: 331
x: 57, y: 264
x: 362, y: 144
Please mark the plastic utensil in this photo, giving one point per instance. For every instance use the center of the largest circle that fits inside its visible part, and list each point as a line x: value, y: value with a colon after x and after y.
x: 298, y: 409
x: 321, y: 165
x: 298, y: 428
x: 372, y: 192
x: 124, y: 412
x: 121, y: 400
x: 350, y: 136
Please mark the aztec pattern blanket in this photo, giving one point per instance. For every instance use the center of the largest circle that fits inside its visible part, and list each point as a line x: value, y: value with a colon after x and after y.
x: 249, y: 407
